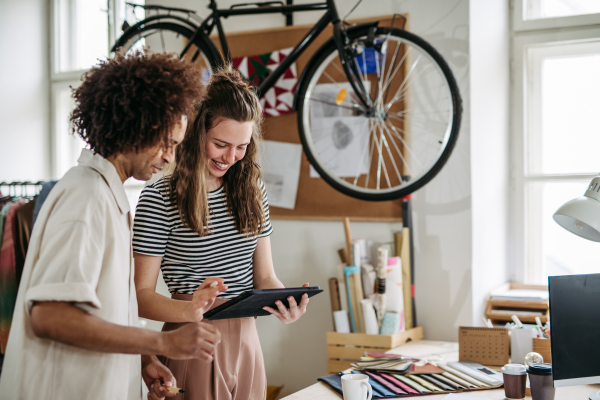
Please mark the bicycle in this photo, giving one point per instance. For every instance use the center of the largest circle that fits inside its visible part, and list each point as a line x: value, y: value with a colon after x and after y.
x: 378, y: 108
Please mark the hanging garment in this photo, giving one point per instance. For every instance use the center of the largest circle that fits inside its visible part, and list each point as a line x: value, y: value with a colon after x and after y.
x: 46, y: 188
x: 22, y: 232
x: 3, y: 212
x: 8, y: 282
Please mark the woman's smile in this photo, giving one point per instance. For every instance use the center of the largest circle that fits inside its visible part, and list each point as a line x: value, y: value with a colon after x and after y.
x: 220, y: 166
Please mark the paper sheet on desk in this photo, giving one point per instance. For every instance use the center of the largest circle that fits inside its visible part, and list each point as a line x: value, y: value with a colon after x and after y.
x: 281, y: 168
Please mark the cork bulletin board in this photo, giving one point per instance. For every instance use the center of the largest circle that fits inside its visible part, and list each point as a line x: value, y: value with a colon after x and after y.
x: 316, y: 200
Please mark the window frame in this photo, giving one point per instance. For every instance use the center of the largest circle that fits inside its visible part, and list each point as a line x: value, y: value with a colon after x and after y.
x: 58, y: 79
x: 520, y: 24
x: 527, y: 34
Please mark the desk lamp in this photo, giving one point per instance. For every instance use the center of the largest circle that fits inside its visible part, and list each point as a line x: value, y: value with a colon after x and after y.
x: 580, y: 216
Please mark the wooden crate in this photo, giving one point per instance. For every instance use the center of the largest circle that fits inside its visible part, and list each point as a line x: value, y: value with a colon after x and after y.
x: 542, y: 346
x: 501, y: 318
x: 346, y: 348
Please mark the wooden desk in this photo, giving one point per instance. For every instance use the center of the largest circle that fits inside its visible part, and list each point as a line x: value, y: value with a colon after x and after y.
x: 449, y: 352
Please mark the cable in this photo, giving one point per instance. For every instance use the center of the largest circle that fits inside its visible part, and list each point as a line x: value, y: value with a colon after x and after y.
x: 351, y: 11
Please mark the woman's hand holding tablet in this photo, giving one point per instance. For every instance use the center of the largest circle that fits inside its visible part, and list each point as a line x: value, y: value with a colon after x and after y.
x: 287, y: 316
x: 261, y: 302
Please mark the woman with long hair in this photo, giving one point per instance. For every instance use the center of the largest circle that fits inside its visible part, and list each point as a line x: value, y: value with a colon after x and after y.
x: 210, y: 218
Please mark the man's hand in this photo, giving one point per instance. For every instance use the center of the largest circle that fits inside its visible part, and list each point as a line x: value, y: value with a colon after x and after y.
x: 194, y: 340
x: 155, y: 374
x: 204, y: 297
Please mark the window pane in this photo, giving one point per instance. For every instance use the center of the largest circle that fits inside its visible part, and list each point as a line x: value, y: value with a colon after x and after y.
x: 536, y: 9
x: 130, y: 13
x: 565, y: 99
x: 82, y: 29
x: 67, y: 147
x: 552, y: 249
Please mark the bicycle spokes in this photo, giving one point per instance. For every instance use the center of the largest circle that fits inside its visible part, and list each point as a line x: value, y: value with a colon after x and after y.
x: 400, y: 137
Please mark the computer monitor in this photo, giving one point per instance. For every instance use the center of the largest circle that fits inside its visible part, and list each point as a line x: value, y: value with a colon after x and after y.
x: 575, y: 329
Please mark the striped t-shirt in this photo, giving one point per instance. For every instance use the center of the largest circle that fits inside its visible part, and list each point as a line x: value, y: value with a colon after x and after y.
x: 188, y: 258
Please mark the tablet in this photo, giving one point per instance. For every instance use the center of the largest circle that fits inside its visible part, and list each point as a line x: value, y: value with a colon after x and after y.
x: 250, y: 303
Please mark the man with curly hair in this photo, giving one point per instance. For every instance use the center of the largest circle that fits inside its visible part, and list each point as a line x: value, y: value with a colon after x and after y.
x: 74, y: 332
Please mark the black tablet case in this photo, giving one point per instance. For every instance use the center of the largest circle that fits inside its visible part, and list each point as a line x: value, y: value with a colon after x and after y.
x: 250, y: 303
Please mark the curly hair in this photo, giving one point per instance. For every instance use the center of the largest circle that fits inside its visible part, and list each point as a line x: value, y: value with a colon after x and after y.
x: 133, y: 101
x: 228, y: 96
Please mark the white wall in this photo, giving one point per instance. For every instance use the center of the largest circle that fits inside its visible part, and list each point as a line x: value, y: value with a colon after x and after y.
x: 442, y: 209
x: 489, y: 41
x: 24, y: 90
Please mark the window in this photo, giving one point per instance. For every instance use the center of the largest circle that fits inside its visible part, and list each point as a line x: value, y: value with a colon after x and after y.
x: 83, y: 31
x: 536, y: 9
x: 81, y: 34
x: 532, y: 15
x: 556, y: 133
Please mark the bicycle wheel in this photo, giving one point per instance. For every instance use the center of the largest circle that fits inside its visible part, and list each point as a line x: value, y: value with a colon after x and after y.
x: 167, y: 37
x: 400, y: 144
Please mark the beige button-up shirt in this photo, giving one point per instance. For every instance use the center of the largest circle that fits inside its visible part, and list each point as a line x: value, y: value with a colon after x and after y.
x: 80, y: 252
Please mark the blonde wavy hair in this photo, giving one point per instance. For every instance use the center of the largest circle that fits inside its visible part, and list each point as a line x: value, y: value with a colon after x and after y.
x: 228, y: 96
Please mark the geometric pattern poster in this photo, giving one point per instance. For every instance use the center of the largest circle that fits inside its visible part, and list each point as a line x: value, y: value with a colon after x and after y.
x: 278, y: 100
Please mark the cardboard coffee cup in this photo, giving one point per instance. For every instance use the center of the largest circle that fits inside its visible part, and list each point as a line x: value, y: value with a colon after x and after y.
x: 540, y: 379
x: 515, y: 378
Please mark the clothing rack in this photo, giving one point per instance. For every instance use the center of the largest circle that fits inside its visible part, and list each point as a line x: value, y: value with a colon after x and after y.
x: 18, y: 202
x: 19, y: 188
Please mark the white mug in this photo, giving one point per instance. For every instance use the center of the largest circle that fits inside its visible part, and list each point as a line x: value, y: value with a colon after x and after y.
x: 356, y: 387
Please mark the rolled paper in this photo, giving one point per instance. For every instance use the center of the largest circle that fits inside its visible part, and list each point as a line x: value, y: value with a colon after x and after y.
x: 342, y: 325
x: 382, y: 257
x: 371, y: 325
x: 394, y: 291
x: 381, y: 307
x: 347, y: 272
x: 390, y: 323
x: 368, y: 279
x: 357, y: 253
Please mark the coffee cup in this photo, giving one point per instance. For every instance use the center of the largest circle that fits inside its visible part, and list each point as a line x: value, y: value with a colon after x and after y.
x: 515, y: 379
x: 356, y: 387
x: 540, y: 380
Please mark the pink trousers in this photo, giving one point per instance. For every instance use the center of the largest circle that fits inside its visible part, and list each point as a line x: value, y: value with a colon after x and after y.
x: 237, y: 371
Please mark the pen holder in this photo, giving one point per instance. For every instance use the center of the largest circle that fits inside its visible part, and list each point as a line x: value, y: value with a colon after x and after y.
x: 521, y: 343
x: 542, y: 346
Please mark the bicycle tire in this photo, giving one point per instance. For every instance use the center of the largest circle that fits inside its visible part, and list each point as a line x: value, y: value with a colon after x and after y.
x: 143, y: 30
x: 324, y: 53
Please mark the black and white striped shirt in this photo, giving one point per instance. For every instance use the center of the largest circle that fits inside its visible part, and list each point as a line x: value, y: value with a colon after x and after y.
x: 188, y: 258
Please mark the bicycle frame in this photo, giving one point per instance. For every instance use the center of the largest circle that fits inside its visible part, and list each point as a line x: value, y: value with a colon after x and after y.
x: 330, y: 16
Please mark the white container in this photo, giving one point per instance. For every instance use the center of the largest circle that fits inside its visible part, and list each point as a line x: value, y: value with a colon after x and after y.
x: 521, y: 343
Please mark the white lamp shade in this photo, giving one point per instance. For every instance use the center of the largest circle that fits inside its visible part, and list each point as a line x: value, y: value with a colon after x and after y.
x: 581, y: 216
